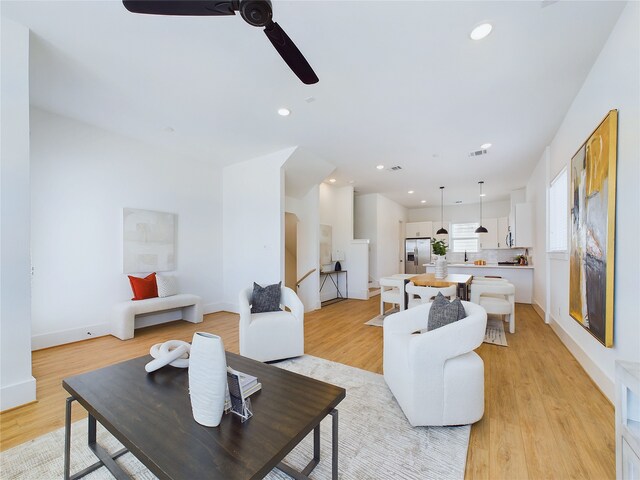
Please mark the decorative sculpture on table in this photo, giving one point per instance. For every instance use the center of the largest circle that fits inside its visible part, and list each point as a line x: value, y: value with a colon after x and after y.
x: 172, y: 352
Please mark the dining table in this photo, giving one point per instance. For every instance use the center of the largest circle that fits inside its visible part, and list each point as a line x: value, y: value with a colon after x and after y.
x: 462, y: 281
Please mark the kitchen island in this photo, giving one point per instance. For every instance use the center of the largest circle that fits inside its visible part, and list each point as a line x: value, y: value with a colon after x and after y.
x: 521, y: 276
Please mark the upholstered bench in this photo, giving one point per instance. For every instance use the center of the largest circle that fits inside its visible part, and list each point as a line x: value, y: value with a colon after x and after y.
x: 124, y: 314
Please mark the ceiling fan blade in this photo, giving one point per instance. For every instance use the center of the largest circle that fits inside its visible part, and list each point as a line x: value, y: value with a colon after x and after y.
x: 180, y: 7
x: 290, y: 53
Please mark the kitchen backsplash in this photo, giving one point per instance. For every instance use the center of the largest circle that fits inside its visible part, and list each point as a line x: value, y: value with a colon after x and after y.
x: 490, y: 256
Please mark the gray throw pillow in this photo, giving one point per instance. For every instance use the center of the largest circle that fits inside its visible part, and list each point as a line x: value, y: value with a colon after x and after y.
x: 265, y: 299
x: 443, y: 312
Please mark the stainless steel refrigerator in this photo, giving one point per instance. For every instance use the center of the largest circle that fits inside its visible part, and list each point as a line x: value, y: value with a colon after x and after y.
x: 417, y: 252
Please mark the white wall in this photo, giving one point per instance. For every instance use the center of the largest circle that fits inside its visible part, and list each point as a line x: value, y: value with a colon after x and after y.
x: 612, y: 83
x: 307, y: 211
x: 253, y: 224
x: 336, y: 209
x: 366, y: 227
x: 537, y: 196
x: 389, y: 250
x: 82, y: 178
x: 17, y: 386
x: 378, y: 219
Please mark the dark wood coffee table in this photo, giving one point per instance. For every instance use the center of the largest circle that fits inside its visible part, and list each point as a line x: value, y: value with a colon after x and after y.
x: 150, y: 414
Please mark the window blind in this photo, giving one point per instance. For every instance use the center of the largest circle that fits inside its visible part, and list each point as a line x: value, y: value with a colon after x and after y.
x: 464, y: 237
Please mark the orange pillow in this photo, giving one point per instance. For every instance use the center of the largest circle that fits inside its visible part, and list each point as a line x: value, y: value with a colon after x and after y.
x: 144, y: 287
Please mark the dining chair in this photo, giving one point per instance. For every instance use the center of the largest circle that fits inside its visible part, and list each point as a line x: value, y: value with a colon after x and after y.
x: 419, y: 295
x: 392, y: 291
x: 496, y: 298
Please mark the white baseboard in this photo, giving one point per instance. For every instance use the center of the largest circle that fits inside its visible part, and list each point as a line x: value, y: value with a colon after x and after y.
x: 61, y: 337
x: 222, y: 307
x: 600, y: 378
x: 219, y: 307
x: 17, y: 394
x: 359, y: 294
x: 539, y: 310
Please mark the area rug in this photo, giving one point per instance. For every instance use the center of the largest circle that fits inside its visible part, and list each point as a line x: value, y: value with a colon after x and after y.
x: 495, y: 332
x: 378, y: 320
x: 375, y: 439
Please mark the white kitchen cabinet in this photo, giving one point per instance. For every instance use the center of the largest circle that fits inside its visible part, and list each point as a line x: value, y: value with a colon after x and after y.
x: 419, y: 229
x: 627, y: 403
x: 489, y: 240
x: 503, y: 231
x: 521, y: 224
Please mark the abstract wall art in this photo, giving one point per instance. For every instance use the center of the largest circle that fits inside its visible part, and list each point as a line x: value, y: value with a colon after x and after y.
x: 326, y: 234
x: 593, y: 219
x: 149, y: 241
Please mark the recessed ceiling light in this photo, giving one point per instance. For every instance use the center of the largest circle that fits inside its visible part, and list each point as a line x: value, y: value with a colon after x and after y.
x: 483, y: 194
x: 284, y: 112
x: 423, y: 201
x: 481, y: 31
x: 380, y: 167
x: 410, y: 192
x: 484, y: 146
x: 332, y: 180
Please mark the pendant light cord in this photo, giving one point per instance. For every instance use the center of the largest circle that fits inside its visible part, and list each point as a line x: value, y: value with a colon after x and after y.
x: 441, y: 207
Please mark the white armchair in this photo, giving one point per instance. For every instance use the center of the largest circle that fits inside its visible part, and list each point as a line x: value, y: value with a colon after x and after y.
x: 272, y: 335
x: 435, y: 376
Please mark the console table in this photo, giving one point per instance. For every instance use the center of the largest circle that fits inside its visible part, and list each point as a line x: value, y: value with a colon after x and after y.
x: 334, y: 276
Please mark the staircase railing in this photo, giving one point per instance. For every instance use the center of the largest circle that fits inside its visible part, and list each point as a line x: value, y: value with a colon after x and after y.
x: 304, y: 276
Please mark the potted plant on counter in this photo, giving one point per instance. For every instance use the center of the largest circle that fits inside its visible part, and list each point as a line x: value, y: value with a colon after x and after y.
x: 439, y: 249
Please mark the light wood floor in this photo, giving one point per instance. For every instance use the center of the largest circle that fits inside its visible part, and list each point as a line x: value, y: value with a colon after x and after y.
x: 544, y: 417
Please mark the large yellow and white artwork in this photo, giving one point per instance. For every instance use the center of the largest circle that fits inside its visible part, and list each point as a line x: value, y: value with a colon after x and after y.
x: 593, y: 209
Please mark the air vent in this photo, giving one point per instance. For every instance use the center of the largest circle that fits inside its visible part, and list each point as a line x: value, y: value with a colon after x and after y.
x: 477, y: 153
x: 396, y: 168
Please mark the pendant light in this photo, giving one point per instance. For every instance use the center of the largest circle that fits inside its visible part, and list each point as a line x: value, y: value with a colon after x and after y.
x: 442, y: 230
x: 481, y: 229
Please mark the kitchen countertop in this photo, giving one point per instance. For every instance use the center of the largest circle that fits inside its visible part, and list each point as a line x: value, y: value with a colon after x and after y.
x: 471, y: 265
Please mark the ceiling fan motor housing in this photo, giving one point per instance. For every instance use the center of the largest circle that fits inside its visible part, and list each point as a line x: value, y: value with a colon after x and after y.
x: 256, y: 12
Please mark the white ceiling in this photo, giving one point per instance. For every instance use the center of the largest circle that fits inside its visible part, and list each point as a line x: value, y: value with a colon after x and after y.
x: 401, y: 83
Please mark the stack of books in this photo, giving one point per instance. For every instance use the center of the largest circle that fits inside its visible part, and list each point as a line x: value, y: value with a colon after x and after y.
x: 248, y: 384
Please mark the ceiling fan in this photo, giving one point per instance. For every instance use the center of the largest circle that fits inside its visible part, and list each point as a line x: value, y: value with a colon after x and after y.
x: 255, y: 12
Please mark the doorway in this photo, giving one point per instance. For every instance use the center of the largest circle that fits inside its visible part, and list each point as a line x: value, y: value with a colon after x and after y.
x: 290, y: 250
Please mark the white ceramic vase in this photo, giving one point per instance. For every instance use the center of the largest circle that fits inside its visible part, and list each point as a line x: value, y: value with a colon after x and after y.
x: 441, y: 266
x: 207, y: 378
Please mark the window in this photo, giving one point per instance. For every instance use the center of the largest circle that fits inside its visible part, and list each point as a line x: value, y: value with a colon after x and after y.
x: 464, y: 237
x: 558, y: 213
